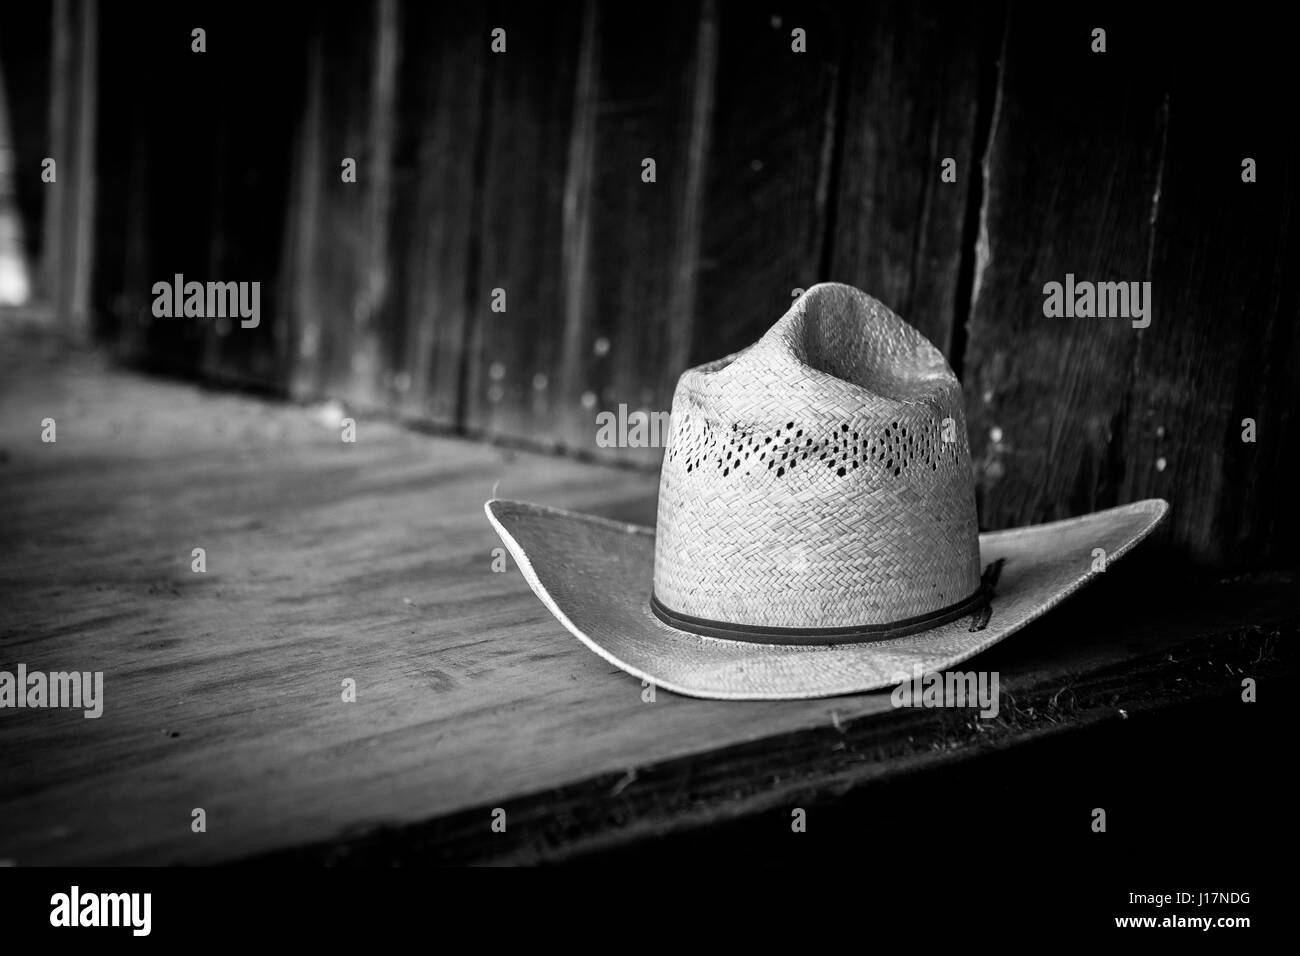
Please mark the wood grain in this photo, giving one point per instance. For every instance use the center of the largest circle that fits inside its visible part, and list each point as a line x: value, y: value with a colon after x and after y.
x: 628, y: 336
x: 1225, y: 336
x: 70, y: 211
x: 372, y: 561
x: 912, y: 98
x: 1127, y: 166
x: 325, y: 561
x: 337, y: 285
x: 440, y: 118
x: 846, y: 772
x: 769, y: 170
x: 1070, y: 179
x: 598, y: 266
x: 521, y: 250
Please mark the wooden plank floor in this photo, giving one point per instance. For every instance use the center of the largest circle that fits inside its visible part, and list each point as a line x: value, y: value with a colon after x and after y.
x: 372, y: 561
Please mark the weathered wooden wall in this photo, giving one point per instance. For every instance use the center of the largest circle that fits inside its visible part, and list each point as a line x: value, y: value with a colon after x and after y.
x: 1128, y: 166
x: 521, y: 171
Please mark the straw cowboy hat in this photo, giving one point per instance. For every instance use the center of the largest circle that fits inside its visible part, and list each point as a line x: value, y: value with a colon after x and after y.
x: 816, y: 531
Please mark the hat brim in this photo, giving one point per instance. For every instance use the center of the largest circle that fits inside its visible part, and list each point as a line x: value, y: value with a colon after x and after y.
x: 595, y: 576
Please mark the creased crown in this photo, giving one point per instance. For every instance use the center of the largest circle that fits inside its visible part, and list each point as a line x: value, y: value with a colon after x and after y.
x: 820, y: 478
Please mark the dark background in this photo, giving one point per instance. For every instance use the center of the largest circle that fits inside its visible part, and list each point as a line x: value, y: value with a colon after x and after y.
x: 775, y: 170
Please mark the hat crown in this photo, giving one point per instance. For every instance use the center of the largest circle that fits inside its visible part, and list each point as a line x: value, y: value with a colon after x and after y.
x: 820, y: 478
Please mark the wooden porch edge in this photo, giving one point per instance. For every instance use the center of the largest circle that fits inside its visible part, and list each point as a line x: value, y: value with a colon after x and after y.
x: 811, y: 765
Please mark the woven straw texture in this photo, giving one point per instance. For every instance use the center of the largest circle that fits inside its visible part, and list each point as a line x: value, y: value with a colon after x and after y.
x: 807, y: 481
x: 592, y: 574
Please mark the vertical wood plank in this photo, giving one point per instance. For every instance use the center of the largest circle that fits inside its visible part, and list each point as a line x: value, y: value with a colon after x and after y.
x: 440, y: 115
x: 84, y: 136
x: 599, y: 266
x: 53, y: 270
x: 335, y: 290
x: 1069, y: 181
x: 303, y: 231
x: 160, y: 167
x: 520, y: 249
x: 912, y: 99
x: 69, y: 213
x: 253, y: 120
x: 121, y: 282
x: 369, y: 377
x: 206, y: 199
x: 769, y: 169
x: 576, y: 237
x: 630, y: 338
x: 1224, y: 340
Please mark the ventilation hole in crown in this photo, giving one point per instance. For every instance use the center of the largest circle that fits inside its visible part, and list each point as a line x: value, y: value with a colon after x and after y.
x: 892, y: 450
